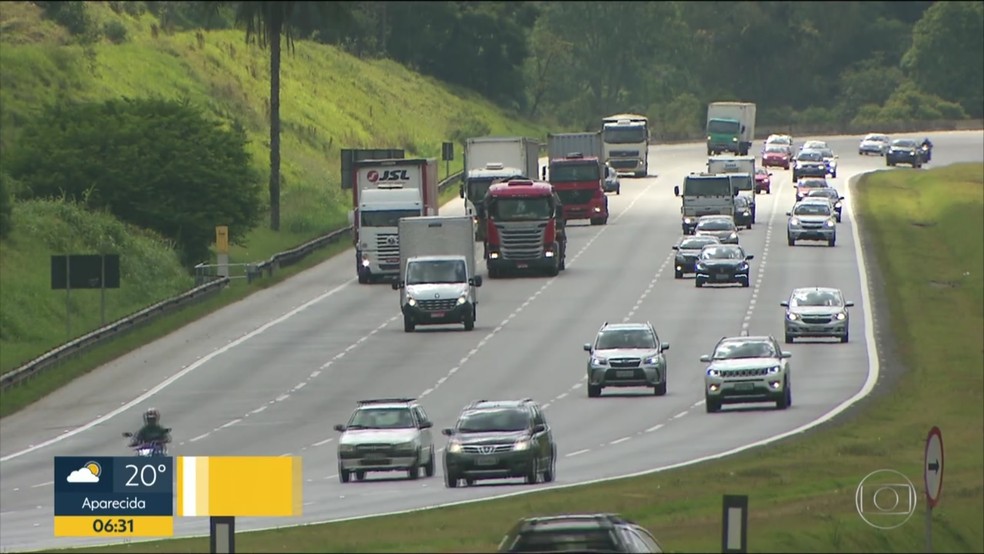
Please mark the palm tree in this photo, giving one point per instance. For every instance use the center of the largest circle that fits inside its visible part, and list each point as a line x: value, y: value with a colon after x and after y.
x: 268, y: 24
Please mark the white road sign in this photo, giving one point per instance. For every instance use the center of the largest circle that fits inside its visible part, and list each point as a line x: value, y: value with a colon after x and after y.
x: 933, y: 466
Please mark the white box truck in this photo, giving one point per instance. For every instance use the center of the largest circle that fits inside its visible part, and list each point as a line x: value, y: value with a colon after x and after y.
x: 437, y: 281
x: 730, y: 127
x: 491, y: 159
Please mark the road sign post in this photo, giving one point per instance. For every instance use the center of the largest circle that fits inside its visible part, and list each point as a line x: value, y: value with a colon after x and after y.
x: 932, y: 479
x: 222, y: 249
x: 734, y: 524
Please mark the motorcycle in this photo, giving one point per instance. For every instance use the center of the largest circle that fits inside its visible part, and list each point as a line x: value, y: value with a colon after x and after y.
x: 927, y: 153
x: 149, y: 449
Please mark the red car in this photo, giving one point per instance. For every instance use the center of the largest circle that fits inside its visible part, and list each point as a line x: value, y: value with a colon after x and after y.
x: 763, y: 181
x: 777, y: 155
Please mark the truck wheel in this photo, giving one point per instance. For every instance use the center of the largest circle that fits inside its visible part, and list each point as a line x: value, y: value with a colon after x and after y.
x: 554, y: 270
x: 563, y: 263
x: 408, y: 324
x: 469, y: 323
x: 363, y: 278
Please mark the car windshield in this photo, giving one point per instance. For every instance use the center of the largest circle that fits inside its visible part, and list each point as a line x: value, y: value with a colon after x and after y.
x: 567, y: 540
x: 436, y: 271
x: 876, y: 138
x: 696, y: 243
x: 715, y: 225
x: 810, y: 156
x: 721, y: 253
x: 569, y: 172
x: 779, y: 140
x: 775, y: 148
x: 381, y: 418
x: 824, y: 192
x: 812, y: 209
x: 741, y: 201
x: 762, y: 171
x: 812, y: 184
x: 740, y: 349
x: 494, y: 420
x: 904, y: 143
x: 815, y: 298
x: 625, y: 338
x: 814, y: 144
x: 827, y: 153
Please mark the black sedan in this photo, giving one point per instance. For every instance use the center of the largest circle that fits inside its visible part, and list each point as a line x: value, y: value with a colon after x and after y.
x: 687, y: 251
x: 830, y: 193
x: 905, y: 151
x: 809, y: 163
x: 744, y: 212
x: 722, y: 264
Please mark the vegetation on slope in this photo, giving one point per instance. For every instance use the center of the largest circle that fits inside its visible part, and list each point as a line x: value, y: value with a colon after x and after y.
x: 331, y: 100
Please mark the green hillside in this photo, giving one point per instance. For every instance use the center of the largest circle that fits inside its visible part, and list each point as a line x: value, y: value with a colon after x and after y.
x: 330, y: 100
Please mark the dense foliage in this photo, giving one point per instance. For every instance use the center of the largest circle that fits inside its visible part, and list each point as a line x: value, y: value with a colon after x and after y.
x: 157, y: 164
x: 574, y: 61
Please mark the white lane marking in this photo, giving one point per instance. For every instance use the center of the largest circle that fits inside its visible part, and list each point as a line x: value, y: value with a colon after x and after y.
x: 530, y: 299
x: 679, y: 415
x: 200, y: 437
x: 198, y: 363
x: 45, y: 484
x: 578, y: 453
x: 874, y: 369
x: 621, y: 440
x: 322, y: 443
x: 763, y: 261
x: 231, y: 423
x: 655, y: 428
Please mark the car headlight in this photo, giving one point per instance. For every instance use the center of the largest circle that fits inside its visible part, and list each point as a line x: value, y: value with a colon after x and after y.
x: 651, y: 360
x: 346, y: 448
x: 841, y: 316
x: 454, y: 447
x: 687, y: 220
x: 794, y: 221
x: 462, y: 299
x: 746, y: 212
x: 522, y: 444
x: 701, y: 267
x: 713, y: 373
x: 734, y: 139
x: 743, y: 266
x: 733, y: 236
x: 830, y: 223
x: 838, y: 205
x: 412, y: 302
x: 773, y: 370
x: 598, y: 360
x: 791, y: 316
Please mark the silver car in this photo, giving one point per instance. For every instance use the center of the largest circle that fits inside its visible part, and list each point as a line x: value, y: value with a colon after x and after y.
x: 812, y: 219
x: 626, y: 355
x: 720, y: 226
x: 747, y: 369
x: 386, y: 434
x: 874, y: 144
x: 817, y: 312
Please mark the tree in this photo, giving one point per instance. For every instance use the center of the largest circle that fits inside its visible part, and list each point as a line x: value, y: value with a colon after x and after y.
x: 947, y: 53
x: 157, y: 164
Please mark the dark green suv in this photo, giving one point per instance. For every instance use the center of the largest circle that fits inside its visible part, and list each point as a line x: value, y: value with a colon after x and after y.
x: 500, y: 439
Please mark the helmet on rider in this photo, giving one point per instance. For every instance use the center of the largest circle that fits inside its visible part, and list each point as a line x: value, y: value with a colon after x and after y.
x: 152, y: 416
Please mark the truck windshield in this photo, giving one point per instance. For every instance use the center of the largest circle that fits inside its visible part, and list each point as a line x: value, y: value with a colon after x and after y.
x: 386, y: 218
x: 521, y: 209
x: 436, y: 271
x: 478, y: 187
x: 742, y: 181
x: 723, y: 126
x: 714, y: 186
x: 570, y: 172
x: 624, y: 135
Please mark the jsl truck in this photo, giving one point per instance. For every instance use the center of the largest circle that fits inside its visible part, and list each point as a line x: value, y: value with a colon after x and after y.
x: 437, y: 279
x: 385, y: 191
x: 489, y: 159
x: 730, y: 127
x: 704, y: 194
x: 742, y: 172
x: 577, y: 174
x: 525, y: 228
x: 626, y: 139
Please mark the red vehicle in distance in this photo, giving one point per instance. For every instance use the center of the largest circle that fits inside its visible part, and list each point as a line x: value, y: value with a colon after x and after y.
x: 777, y: 155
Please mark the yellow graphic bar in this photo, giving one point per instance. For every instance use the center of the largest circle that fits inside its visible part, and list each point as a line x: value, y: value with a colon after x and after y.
x: 240, y: 486
x: 109, y: 526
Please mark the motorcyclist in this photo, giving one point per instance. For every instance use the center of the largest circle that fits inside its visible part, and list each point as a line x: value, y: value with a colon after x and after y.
x: 927, y: 147
x: 151, y: 432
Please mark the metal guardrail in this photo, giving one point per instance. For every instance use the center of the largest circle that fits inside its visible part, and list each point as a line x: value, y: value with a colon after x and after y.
x: 204, y: 287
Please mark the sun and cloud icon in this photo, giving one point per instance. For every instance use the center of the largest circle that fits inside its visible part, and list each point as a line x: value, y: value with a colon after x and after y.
x: 88, y: 473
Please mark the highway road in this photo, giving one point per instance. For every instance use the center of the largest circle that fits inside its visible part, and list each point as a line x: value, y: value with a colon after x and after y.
x: 270, y: 375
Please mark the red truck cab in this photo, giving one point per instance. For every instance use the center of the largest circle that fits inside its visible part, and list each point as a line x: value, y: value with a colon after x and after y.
x: 524, y: 228
x: 578, y: 181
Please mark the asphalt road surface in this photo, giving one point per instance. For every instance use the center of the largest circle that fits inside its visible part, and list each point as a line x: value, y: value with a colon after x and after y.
x: 270, y: 375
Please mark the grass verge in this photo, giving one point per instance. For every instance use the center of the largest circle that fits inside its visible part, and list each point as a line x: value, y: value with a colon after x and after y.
x: 926, y: 231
